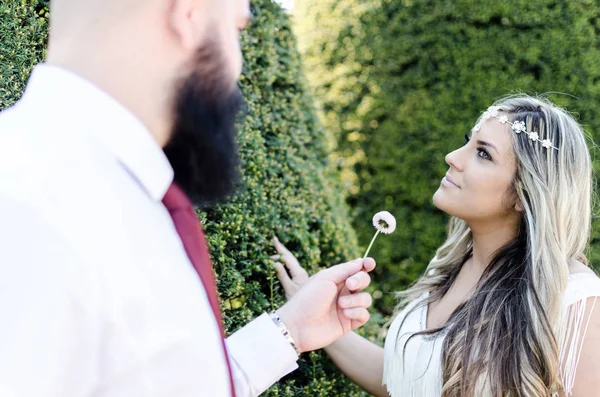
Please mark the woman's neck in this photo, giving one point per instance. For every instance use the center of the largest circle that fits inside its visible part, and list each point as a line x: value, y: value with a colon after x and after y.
x: 488, y: 238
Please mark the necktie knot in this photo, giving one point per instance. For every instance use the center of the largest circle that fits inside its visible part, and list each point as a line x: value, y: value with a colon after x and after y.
x: 175, y: 199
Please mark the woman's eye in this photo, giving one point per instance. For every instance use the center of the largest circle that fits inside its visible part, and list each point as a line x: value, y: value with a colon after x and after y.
x: 467, y: 138
x: 483, y: 154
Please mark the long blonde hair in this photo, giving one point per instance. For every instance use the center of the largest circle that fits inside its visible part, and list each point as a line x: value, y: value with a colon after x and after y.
x: 502, y: 340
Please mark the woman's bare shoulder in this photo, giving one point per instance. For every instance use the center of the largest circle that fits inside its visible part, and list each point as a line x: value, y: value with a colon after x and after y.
x: 577, y: 267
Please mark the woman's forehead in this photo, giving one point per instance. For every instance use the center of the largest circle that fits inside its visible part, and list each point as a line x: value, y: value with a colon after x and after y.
x: 495, y: 133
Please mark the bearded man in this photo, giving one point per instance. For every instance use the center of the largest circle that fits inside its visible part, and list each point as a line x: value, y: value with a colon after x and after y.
x: 106, y: 287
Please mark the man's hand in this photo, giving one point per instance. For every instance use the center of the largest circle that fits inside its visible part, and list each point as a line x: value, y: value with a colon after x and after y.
x: 329, y: 305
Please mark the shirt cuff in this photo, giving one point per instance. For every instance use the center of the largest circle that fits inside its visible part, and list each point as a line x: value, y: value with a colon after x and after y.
x: 262, y: 353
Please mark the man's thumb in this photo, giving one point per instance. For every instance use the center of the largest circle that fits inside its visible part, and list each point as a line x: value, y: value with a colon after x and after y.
x: 339, y: 273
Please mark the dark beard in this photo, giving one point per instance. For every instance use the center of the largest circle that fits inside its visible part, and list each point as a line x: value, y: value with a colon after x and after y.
x: 203, y: 149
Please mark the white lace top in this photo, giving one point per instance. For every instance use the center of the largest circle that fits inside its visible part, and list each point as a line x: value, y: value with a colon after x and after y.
x: 419, y: 374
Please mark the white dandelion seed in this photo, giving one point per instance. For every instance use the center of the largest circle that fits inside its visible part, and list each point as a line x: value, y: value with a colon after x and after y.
x: 385, y: 223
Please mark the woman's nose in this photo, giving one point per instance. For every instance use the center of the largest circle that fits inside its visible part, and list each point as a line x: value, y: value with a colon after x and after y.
x: 453, y: 159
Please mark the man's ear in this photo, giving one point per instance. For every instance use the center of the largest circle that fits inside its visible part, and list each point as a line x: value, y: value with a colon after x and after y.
x: 185, y: 20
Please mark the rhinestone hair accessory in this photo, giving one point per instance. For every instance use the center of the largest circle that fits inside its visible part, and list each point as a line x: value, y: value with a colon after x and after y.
x: 518, y: 126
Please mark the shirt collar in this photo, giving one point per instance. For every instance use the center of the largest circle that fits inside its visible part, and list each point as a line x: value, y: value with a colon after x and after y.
x: 78, y: 103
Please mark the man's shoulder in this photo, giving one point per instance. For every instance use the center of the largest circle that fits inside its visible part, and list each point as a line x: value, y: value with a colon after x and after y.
x: 37, y: 155
x: 24, y: 165
x: 66, y: 174
x: 61, y: 178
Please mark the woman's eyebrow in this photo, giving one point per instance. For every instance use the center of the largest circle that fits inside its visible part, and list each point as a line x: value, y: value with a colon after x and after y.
x: 488, y: 144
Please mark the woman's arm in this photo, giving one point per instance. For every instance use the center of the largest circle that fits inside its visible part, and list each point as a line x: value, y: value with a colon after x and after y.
x: 361, y: 360
x: 357, y: 357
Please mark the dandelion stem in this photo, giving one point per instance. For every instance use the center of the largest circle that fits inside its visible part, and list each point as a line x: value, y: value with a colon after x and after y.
x: 370, y: 245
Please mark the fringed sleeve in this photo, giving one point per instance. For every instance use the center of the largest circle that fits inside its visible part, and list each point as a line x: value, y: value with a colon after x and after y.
x: 579, y: 301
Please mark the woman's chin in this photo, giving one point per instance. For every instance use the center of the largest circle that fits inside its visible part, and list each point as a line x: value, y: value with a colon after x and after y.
x: 441, y: 202
x: 439, y: 199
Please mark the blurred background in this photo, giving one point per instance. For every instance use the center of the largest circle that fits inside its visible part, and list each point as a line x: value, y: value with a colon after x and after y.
x: 352, y: 105
x: 399, y: 83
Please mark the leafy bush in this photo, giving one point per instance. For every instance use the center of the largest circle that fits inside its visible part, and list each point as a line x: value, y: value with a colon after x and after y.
x: 401, y: 82
x: 23, y: 36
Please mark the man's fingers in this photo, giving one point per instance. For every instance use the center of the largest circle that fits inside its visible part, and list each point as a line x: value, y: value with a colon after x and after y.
x: 359, y: 281
x: 360, y: 300
x: 339, y: 273
x: 359, y: 316
x: 369, y: 264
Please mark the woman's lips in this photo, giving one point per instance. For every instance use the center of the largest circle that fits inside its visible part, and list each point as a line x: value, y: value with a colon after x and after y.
x: 449, y: 182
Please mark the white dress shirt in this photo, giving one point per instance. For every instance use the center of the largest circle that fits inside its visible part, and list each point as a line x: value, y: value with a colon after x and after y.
x: 97, y: 295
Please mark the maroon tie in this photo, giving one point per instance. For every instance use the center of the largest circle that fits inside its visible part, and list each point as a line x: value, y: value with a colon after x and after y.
x: 192, y: 236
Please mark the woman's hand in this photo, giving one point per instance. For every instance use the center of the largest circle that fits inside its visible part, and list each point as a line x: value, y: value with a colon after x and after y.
x: 284, y: 260
x: 326, y: 306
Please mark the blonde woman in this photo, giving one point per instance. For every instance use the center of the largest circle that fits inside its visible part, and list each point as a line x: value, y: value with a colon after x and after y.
x: 507, y: 306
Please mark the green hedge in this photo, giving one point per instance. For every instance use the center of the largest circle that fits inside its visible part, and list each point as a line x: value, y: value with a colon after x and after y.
x: 402, y: 81
x: 23, y: 36
x: 290, y: 187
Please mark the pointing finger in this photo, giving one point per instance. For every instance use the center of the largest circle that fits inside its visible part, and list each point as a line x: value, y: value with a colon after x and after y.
x: 282, y: 275
x: 288, y: 258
